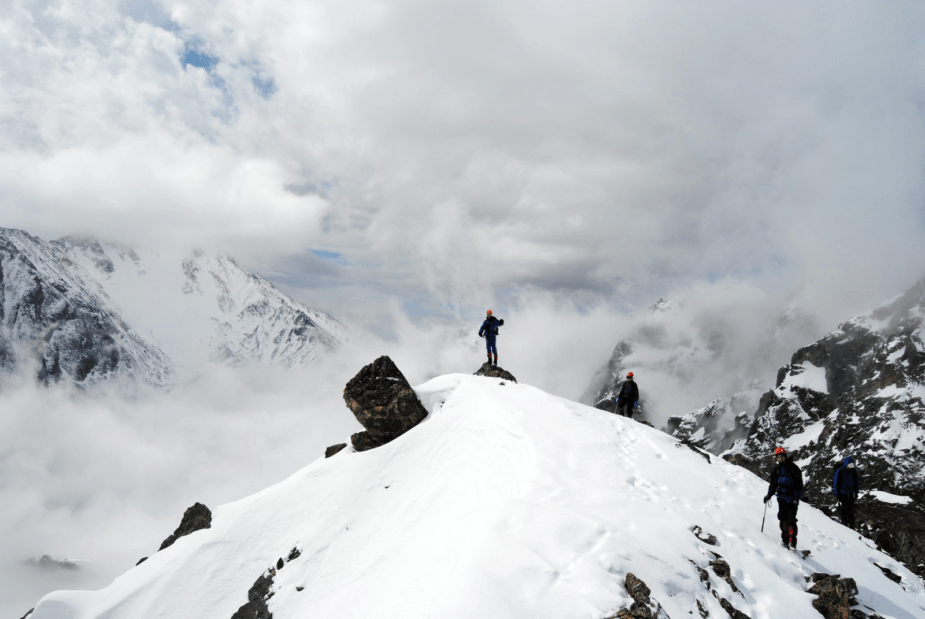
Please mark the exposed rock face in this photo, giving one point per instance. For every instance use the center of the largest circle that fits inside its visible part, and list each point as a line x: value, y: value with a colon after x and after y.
x: 836, y: 595
x: 194, y: 518
x: 493, y: 371
x: 383, y: 402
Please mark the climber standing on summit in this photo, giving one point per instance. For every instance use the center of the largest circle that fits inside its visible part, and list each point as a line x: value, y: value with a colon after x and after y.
x: 845, y: 485
x: 628, y: 396
x: 489, y: 331
x: 787, y: 483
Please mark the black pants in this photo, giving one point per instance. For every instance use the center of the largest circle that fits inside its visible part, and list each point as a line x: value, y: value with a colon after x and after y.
x: 787, y: 515
x: 625, y: 409
x: 846, y: 509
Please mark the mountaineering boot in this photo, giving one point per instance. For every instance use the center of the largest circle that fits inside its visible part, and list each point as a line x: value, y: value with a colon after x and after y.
x: 496, y: 360
x: 489, y: 358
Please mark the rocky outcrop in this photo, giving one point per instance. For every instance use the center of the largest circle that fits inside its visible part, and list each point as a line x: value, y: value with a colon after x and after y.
x: 262, y: 590
x: 383, y: 402
x: 836, y: 595
x: 493, y: 371
x: 257, y: 597
x: 705, y: 537
x: 643, y: 606
x: 194, y: 519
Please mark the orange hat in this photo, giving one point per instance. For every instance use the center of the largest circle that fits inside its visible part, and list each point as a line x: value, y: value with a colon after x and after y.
x: 629, y: 374
x: 489, y: 312
x: 779, y: 451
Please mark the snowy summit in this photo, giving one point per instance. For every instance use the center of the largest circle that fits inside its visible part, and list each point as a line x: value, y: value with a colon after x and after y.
x: 505, y: 502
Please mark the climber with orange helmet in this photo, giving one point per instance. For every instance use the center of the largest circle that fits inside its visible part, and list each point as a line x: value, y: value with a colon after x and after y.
x: 628, y: 396
x: 787, y: 483
x: 489, y: 331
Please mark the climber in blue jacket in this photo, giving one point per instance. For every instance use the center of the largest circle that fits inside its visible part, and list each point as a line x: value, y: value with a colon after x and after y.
x: 489, y: 331
x: 787, y: 483
x: 845, y: 485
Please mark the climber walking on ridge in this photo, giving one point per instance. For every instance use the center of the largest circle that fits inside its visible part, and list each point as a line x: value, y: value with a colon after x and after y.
x: 787, y: 483
x: 628, y: 396
x: 489, y: 331
x: 845, y: 485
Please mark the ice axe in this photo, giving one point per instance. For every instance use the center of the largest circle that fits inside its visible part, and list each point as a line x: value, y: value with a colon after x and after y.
x: 763, y: 516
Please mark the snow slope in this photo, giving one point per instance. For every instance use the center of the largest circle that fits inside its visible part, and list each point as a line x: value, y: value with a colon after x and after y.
x: 505, y: 502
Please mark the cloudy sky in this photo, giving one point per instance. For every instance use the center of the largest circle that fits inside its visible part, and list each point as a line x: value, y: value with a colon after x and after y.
x: 404, y: 163
x: 456, y: 154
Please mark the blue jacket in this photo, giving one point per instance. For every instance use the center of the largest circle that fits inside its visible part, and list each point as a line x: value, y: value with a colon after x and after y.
x: 846, y: 481
x: 786, y: 481
x: 490, y: 327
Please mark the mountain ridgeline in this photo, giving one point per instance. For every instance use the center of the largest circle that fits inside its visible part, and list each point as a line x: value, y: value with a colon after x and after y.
x: 82, y: 311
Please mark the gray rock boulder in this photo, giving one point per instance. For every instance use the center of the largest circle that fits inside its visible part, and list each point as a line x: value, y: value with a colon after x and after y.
x: 383, y: 402
x: 194, y: 519
x: 493, y: 371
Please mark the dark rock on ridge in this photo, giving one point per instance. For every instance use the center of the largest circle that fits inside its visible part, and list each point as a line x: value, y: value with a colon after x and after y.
x: 704, y: 537
x: 262, y: 590
x: 333, y: 449
x: 257, y: 597
x: 836, y: 595
x: 383, y: 402
x: 493, y: 371
x: 194, y: 519
x: 643, y: 607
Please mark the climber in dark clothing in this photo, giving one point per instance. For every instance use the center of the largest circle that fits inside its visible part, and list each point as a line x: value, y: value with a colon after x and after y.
x: 845, y: 485
x: 489, y: 331
x: 628, y: 396
x: 787, y: 484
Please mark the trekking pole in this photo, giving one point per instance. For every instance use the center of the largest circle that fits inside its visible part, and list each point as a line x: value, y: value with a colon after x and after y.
x: 763, y: 516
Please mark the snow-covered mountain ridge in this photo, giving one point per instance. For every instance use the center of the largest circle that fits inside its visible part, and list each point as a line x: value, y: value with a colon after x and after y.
x: 90, y: 311
x: 504, y: 502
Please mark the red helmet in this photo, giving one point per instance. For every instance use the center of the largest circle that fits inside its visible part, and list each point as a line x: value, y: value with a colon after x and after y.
x: 629, y: 374
x: 779, y: 451
x: 488, y: 312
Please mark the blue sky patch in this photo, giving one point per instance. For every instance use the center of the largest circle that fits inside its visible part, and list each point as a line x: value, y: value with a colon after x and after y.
x: 266, y: 88
x: 198, y: 58
x: 332, y: 256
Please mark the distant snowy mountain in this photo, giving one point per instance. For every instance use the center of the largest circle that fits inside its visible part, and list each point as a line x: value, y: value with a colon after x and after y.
x: 56, y: 319
x: 91, y: 311
x: 506, y: 502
